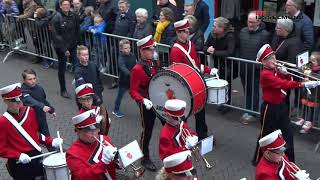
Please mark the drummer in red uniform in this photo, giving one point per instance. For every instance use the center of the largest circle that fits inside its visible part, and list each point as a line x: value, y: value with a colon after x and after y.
x: 274, y: 164
x: 184, y: 51
x: 178, y: 166
x: 175, y: 135
x: 87, y: 158
x: 84, y: 94
x: 275, y: 82
x: 140, y: 76
x: 20, y: 136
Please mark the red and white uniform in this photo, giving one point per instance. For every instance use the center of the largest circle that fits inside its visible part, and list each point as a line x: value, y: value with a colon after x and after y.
x: 267, y: 170
x: 12, y: 143
x: 139, y: 80
x: 84, y: 161
x: 82, y: 110
x: 171, y: 141
x: 275, y: 84
x: 177, y: 56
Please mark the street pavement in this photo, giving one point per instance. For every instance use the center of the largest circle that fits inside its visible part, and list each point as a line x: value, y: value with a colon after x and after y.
x: 232, y: 154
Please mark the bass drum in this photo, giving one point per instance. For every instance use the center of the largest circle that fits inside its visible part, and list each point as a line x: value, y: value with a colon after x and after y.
x: 178, y: 81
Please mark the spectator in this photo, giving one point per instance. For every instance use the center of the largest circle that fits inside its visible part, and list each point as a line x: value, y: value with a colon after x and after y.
x: 99, y: 40
x: 88, y: 19
x: 78, y: 9
x: 196, y: 35
x: 221, y: 44
x: 311, y: 101
x: 286, y: 41
x: 125, y: 20
x: 43, y: 18
x: 301, y: 21
x: 65, y: 36
x: 29, y: 7
x: 162, y: 4
x: 34, y: 95
x: 165, y: 30
x: 88, y: 72
x: 126, y: 61
x: 188, y: 10
x: 251, y: 38
x: 143, y: 28
x: 202, y: 14
x: 108, y: 10
x: 8, y: 8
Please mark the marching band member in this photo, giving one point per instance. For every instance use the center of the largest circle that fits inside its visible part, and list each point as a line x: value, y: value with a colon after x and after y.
x: 20, y: 136
x: 178, y: 166
x: 274, y: 110
x: 274, y: 164
x: 140, y: 76
x: 86, y: 157
x: 84, y: 94
x: 183, y: 51
x: 175, y: 135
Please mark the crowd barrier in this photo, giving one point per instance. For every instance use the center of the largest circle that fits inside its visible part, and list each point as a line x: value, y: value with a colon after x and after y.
x: 27, y: 36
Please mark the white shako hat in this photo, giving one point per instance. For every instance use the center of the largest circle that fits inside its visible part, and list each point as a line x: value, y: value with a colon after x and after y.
x: 181, y: 25
x: 175, y: 107
x: 264, y: 51
x: 12, y: 91
x: 273, y: 141
x: 84, y: 90
x: 146, y: 42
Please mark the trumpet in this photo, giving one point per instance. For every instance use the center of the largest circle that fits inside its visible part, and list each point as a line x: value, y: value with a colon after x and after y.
x: 137, y: 171
x: 195, y: 150
x: 295, y: 171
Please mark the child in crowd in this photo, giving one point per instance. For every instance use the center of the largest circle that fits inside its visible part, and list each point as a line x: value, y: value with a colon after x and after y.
x: 99, y: 40
x: 310, y: 102
x: 126, y: 61
x: 8, y: 8
x: 34, y: 95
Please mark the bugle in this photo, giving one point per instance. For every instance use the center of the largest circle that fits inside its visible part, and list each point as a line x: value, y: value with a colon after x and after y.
x: 195, y: 150
x: 138, y: 171
x: 294, y: 171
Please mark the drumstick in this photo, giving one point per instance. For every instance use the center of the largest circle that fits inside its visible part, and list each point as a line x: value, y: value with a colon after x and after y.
x: 60, y: 146
x: 102, y: 142
x: 40, y: 155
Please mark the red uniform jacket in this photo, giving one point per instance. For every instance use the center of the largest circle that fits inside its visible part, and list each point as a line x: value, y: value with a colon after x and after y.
x: 267, y: 170
x: 12, y: 143
x: 139, y: 80
x: 177, y: 56
x: 80, y: 160
x: 274, y: 85
x: 171, y: 141
x: 82, y: 110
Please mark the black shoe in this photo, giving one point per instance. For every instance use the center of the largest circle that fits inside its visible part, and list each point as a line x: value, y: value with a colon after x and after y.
x: 113, y: 85
x: 65, y: 94
x: 148, y: 164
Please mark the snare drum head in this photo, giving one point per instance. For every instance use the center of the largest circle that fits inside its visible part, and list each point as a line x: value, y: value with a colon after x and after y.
x: 169, y: 85
x: 216, y: 83
x: 53, y: 160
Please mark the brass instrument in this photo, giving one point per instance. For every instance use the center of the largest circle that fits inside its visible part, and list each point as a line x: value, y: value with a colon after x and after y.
x: 293, y: 169
x: 137, y: 171
x: 104, y: 125
x: 195, y: 150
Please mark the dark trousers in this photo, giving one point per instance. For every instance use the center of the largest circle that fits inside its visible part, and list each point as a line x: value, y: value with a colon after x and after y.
x: 147, y: 121
x: 117, y: 103
x: 62, y: 63
x: 42, y: 122
x: 25, y: 171
x: 274, y: 117
x: 250, y: 84
x: 201, y: 126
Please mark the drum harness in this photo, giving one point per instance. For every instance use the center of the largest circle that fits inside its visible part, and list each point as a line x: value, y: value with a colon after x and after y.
x: 187, y: 53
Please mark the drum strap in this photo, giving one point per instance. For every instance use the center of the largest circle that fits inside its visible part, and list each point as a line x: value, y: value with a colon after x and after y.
x: 95, y: 155
x: 145, y: 68
x: 20, y: 129
x: 187, y: 54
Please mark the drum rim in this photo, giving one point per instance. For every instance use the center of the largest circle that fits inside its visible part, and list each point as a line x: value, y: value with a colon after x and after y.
x: 188, y: 88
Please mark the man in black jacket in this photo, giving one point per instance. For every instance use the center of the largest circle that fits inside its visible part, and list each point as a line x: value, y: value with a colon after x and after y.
x: 251, y: 39
x: 34, y: 95
x: 202, y: 14
x: 108, y: 10
x: 65, y: 36
x: 125, y: 20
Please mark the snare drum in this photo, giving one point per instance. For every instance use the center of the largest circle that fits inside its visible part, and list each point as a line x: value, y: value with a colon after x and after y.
x: 217, y: 91
x: 56, y: 167
x: 178, y: 81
